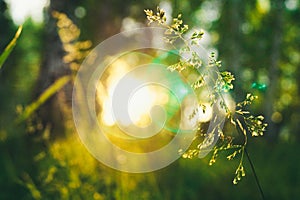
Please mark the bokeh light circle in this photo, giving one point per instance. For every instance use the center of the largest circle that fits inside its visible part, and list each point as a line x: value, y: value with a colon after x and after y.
x: 125, y: 96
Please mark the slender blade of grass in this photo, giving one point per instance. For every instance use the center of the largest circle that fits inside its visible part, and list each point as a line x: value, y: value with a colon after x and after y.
x: 8, y: 49
x: 50, y: 91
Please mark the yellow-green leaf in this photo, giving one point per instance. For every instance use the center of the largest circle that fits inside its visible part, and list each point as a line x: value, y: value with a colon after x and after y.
x: 51, y: 90
x: 10, y: 47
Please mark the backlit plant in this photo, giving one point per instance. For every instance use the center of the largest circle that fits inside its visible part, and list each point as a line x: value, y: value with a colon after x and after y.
x: 240, y: 118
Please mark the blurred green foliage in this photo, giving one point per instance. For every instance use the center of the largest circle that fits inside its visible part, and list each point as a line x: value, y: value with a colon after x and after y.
x: 258, y: 40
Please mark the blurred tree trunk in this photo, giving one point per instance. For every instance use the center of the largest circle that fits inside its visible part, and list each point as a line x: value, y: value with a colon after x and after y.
x: 102, y: 20
x: 51, y: 113
x: 277, y: 13
x: 232, y: 16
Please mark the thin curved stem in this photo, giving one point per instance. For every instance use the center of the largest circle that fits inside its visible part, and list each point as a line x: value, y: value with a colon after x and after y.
x: 253, y: 170
x: 255, y: 175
